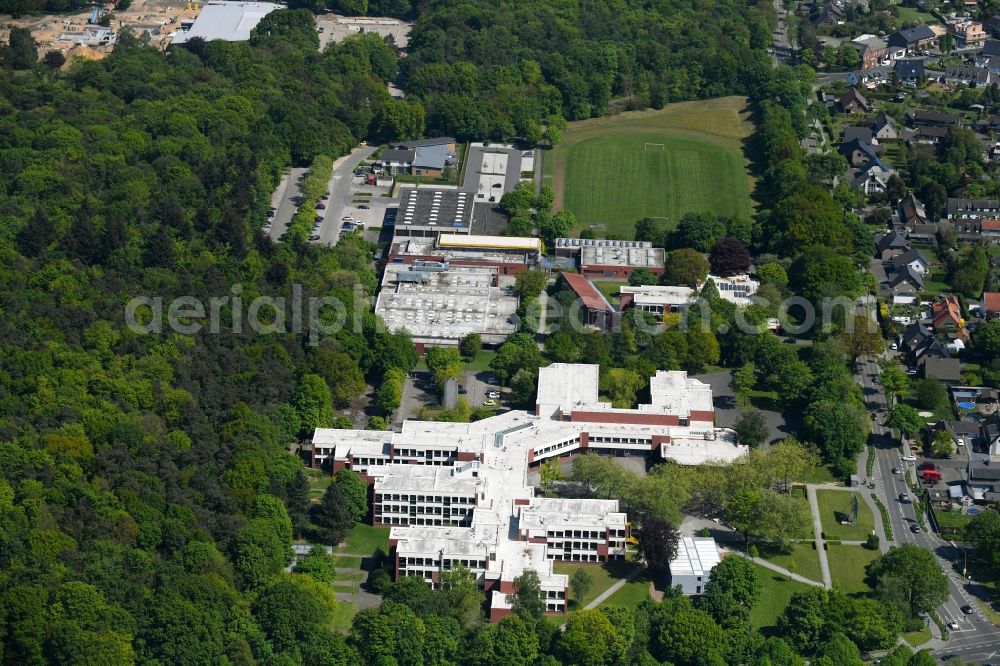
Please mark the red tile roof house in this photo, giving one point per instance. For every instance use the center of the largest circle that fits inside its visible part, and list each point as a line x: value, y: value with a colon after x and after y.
x: 596, y: 311
x: 946, y: 314
x: 991, y: 230
x: 991, y: 304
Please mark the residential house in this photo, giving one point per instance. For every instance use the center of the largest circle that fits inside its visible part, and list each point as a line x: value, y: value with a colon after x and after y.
x: 932, y: 118
x: 925, y: 233
x: 872, y: 177
x: 909, y: 70
x: 946, y: 315
x: 858, y: 152
x: 594, y: 307
x: 928, y: 135
x: 871, y: 49
x: 967, y: 32
x: 884, y: 127
x: 948, y: 371
x: 905, y: 285
x: 965, y: 432
x: 913, y: 336
x: 864, y: 134
x: 967, y: 75
x: 972, y: 209
x: 911, y: 211
x: 991, y: 305
x: 913, y: 39
x: 891, y: 245
x: 991, y: 49
x: 926, y: 350
x: 830, y: 15
x: 430, y: 156
x: 854, y: 102
x: 993, y: 153
x: 967, y: 231
x: 983, y: 477
x: 912, y: 259
x: 989, y: 435
x: 990, y: 230
x: 395, y: 161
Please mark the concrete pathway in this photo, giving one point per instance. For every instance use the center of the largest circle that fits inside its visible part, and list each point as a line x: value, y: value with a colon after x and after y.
x: 774, y: 567
x: 603, y: 596
x: 824, y: 565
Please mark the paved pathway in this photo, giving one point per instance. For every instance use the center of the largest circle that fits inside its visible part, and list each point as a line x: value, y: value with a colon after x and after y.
x: 824, y: 566
x: 603, y: 596
x: 774, y: 567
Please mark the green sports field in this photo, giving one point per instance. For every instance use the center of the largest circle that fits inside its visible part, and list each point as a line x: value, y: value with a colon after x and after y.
x: 686, y: 157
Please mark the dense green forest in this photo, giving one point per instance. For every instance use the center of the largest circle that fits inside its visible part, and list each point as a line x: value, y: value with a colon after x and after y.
x: 147, y: 498
x: 485, y: 68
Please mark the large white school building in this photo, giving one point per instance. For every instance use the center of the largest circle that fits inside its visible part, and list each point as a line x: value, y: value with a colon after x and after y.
x: 457, y: 493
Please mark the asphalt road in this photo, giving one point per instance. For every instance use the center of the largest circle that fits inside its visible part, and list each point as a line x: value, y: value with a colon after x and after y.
x: 339, y: 189
x: 288, y: 193
x: 975, y: 634
x: 782, y: 47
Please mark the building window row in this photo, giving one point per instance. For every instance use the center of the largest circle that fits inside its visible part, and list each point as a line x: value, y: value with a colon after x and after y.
x: 575, y: 545
x: 557, y: 445
x: 438, y: 499
x: 404, y: 521
x: 575, y: 534
x: 619, y: 440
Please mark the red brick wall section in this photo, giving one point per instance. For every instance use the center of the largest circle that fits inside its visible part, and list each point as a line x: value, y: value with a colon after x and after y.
x: 466, y: 456
x: 703, y: 415
x: 497, y: 614
x: 522, y: 501
x: 657, y: 440
x: 338, y: 465
x: 602, y: 550
x: 584, y: 440
x: 536, y: 540
x: 507, y: 587
x: 618, y: 417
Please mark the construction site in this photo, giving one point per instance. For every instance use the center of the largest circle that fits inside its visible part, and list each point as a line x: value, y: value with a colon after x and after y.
x: 91, y: 33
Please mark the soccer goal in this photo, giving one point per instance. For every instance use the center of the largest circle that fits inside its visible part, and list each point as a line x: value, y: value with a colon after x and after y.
x: 653, y: 146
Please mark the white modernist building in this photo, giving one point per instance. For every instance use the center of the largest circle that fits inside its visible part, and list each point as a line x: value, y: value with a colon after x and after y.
x: 457, y: 493
x: 692, y: 567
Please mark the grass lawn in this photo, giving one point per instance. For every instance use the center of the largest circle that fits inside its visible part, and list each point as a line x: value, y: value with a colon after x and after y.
x: 820, y: 474
x: 951, y: 519
x: 775, y: 591
x: 602, y: 577
x: 834, y: 504
x: 803, y: 560
x: 364, y: 540
x: 347, y: 562
x: 610, y: 289
x: 847, y: 566
x: 631, y: 594
x: 911, y: 14
x: 343, y: 614
x: 481, y: 361
x: 915, y: 638
x: 612, y: 171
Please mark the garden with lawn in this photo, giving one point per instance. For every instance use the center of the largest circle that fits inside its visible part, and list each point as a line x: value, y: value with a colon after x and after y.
x: 602, y: 576
x: 775, y: 591
x: 802, y: 559
x: 835, y: 508
x: 847, y: 567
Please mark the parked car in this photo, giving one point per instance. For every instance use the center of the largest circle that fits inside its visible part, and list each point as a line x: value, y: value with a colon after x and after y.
x: 926, y: 465
x: 271, y: 212
x: 320, y: 205
x: 314, y: 237
x: 462, y: 390
x: 364, y: 207
x: 489, y: 403
x: 953, y: 626
x: 909, y: 458
x: 493, y: 394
